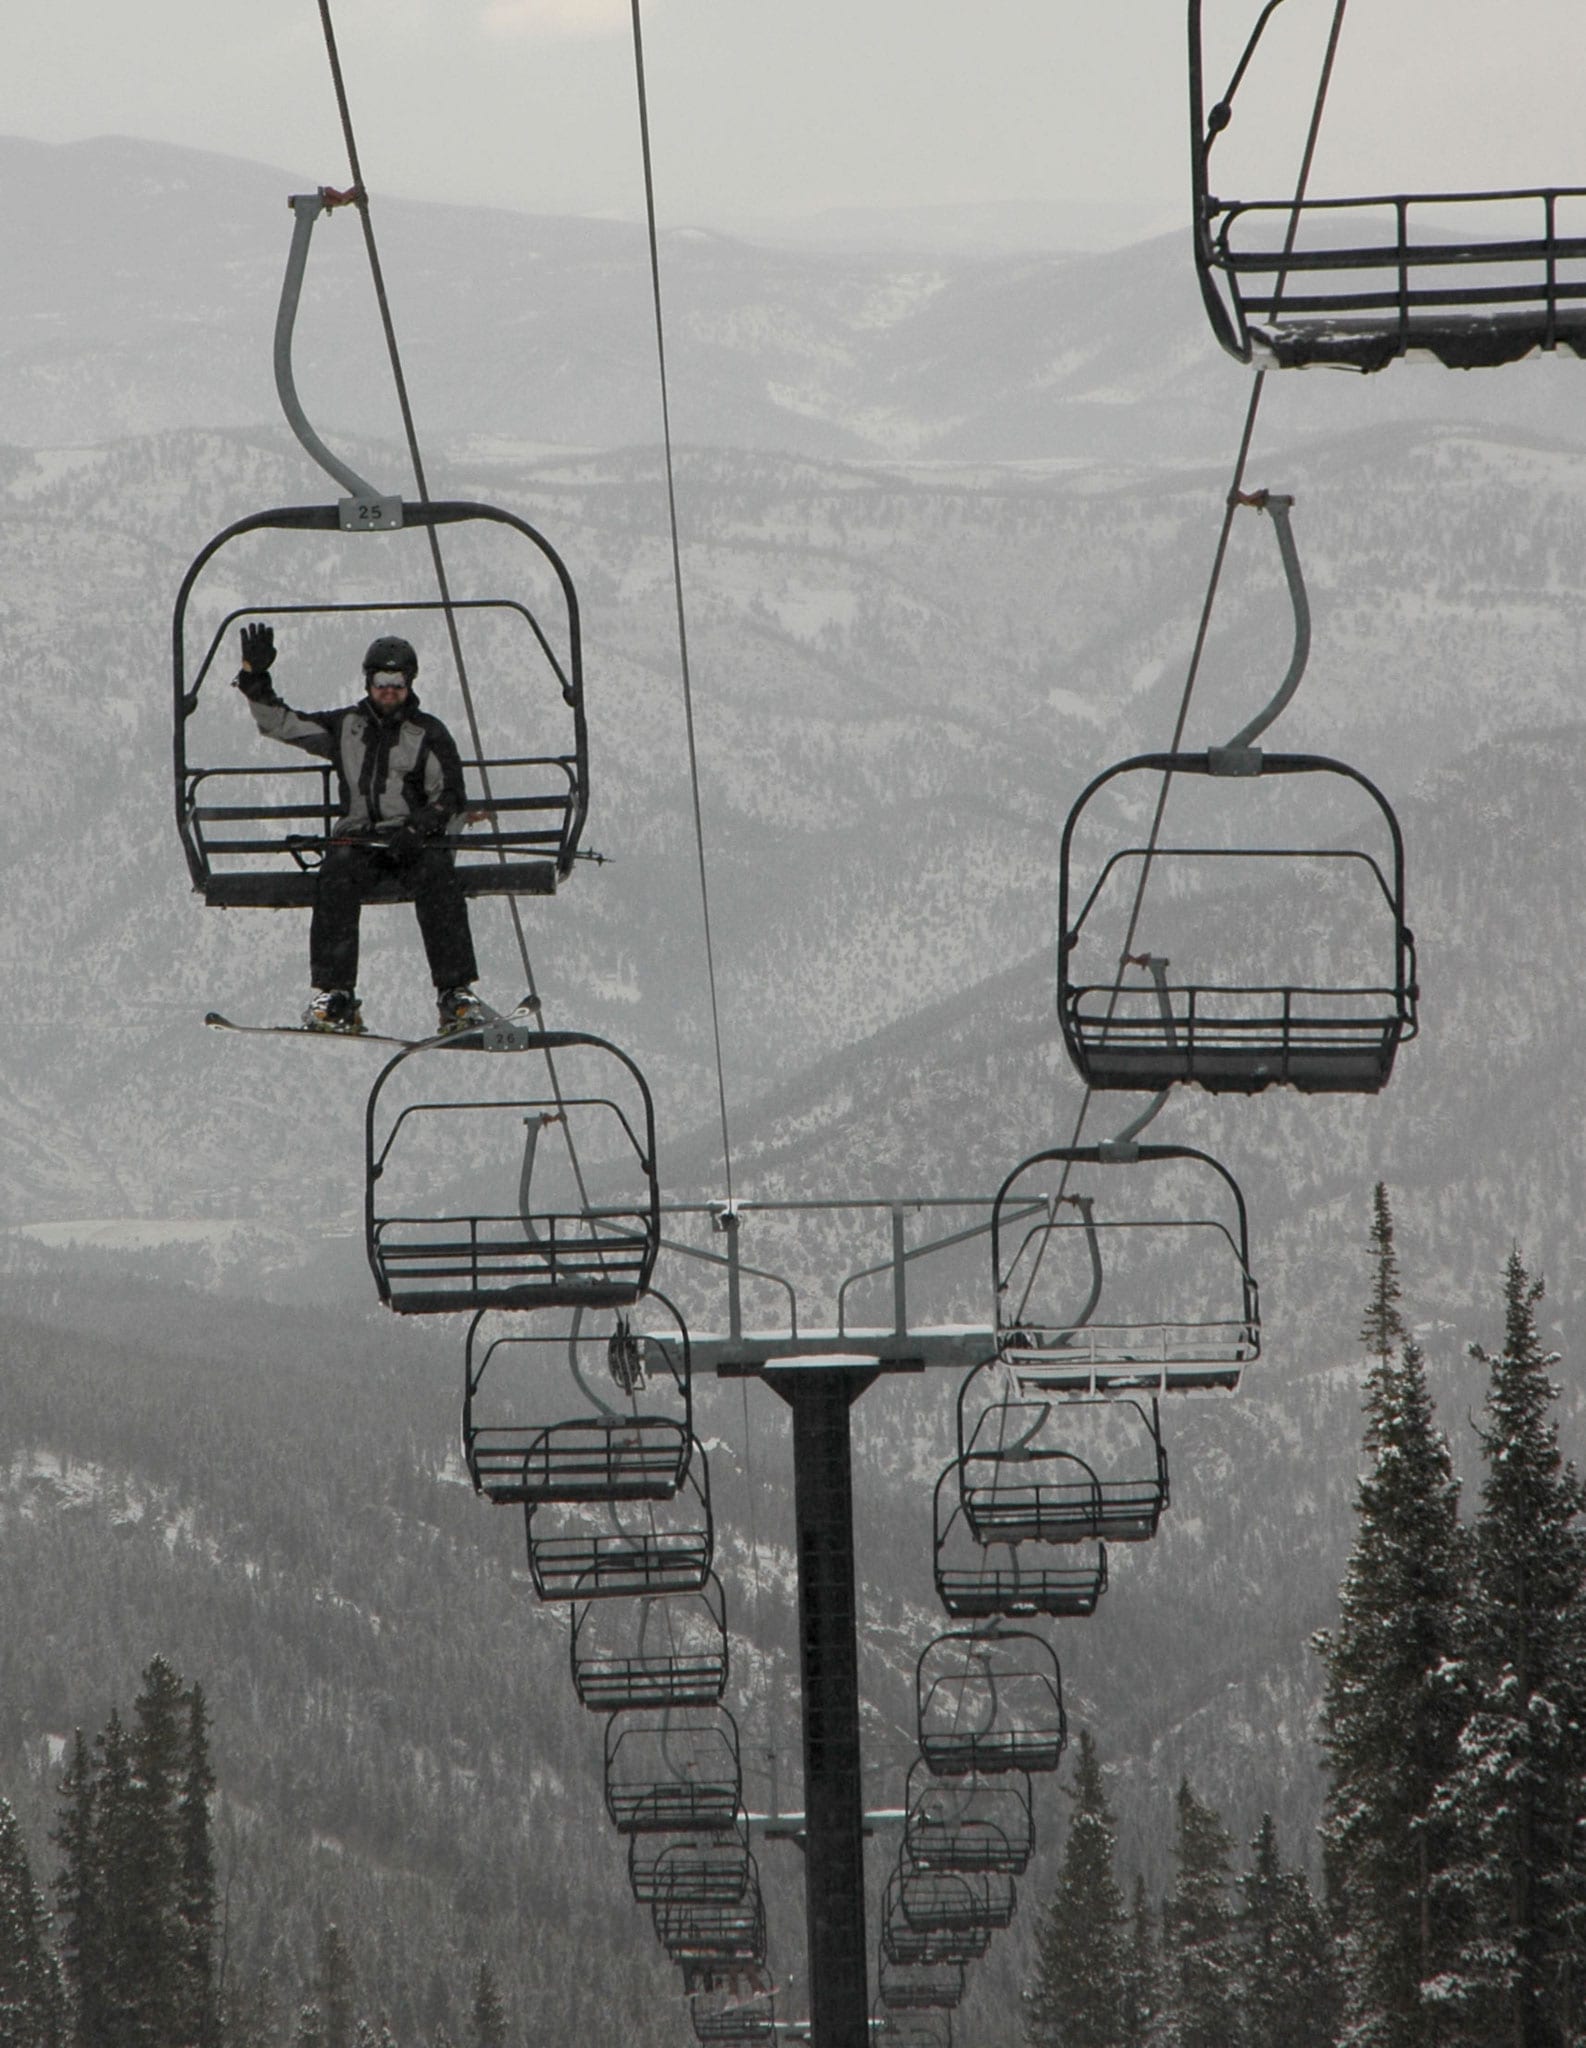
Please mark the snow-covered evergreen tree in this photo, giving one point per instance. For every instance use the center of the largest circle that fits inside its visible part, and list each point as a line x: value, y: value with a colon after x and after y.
x: 1291, y: 1992
x: 197, y: 1995
x: 1075, y: 1999
x: 488, y: 2014
x: 79, y: 1903
x: 32, y: 2006
x: 1516, y: 1796
x: 1393, y: 1704
x: 1142, y: 1964
x: 1200, y: 1961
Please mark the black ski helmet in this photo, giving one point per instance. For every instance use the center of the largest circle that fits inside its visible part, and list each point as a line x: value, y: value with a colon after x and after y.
x: 391, y: 652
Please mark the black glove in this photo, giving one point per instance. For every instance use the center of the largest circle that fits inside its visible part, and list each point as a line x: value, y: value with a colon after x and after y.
x: 404, y: 846
x: 256, y: 688
x: 258, y: 648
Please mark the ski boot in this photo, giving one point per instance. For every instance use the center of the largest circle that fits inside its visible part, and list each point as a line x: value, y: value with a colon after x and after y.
x: 334, y: 1009
x: 458, y: 1009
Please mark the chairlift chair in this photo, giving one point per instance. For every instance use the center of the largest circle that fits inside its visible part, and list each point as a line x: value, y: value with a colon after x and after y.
x: 658, y: 1650
x: 724, y: 2020
x: 1130, y: 1274
x: 1022, y: 1476
x: 253, y: 835
x: 970, y: 1822
x: 1138, y: 1024
x: 979, y: 1577
x: 989, y: 1700
x: 584, y: 1551
x: 722, y: 1931
x: 696, y: 1869
x: 932, y: 1900
x: 522, y: 1374
x: 673, y: 1772
x: 906, y: 2029
x: 903, y: 1942
x: 1465, y: 278
x: 920, y: 1987
x: 481, y: 1197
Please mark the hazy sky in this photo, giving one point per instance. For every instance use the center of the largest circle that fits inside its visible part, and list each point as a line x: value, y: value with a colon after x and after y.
x: 771, y: 108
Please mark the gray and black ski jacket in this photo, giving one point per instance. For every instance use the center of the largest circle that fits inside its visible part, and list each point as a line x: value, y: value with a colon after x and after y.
x: 402, y: 768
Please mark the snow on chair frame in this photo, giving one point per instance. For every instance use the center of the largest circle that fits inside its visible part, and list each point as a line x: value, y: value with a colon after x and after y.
x: 537, y: 1143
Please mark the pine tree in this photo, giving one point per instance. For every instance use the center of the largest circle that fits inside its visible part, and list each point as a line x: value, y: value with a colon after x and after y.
x: 1141, y: 1965
x: 1200, y: 1962
x: 335, y: 1987
x: 1291, y: 1993
x: 489, y: 2014
x: 1075, y: 1999
x: 32, y: 2006
x: 199, y: 2007
x: 78, y: 1901
x: 1392, y: 1705
x: 310, y: 2028
x: 153, y: 1957
x: 1517, y: 1793
x: 117, y: 1858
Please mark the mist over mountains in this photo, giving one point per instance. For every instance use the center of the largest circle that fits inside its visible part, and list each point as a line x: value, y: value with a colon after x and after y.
x: 946, y: 526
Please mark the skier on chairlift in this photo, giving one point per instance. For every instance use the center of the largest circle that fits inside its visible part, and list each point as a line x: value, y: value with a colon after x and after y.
x: 401, y: 785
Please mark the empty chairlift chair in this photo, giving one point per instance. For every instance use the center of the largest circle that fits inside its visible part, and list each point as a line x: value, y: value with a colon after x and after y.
x: 730, y: 2020
x: 716, y: 1932
x: 673, y: 1772
x: 902, y: 1941
x: 329, y: 576
x: 1468, y: 278
x: 911, y: 2029
x: 1075, y: 1471
x: 933, y: 1900
x: 659, y: 1650
x: 1271, y: 942
x: 695, y: 1869
x: 526, y: 1180
x: 968, y: 1823
x: 980, y: 1577
x: 1123, y: 1267
x: 1284, y: 963
x: 578, y: 1404
x: 583, y: 1550
x: 919, y: 1987
x: 989, y: 1700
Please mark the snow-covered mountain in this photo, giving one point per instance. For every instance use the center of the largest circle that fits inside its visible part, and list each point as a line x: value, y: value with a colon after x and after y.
x: 946, y: 526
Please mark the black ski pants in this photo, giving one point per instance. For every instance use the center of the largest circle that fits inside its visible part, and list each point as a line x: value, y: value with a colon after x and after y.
x: 348, y: 875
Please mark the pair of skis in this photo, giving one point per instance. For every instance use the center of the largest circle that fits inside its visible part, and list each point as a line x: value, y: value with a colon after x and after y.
x: 526, y: 1014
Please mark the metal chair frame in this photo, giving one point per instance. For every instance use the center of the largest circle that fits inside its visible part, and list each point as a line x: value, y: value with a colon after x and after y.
x: 982, y: 1589
x: 1298, y: 300
x: 991, y: 1826
x: 700, y: 1789
x: 627, y: 1453
x: 694, y: 1676
x: 1016, y: 1489
x: 537, y: 803
x: 1029, y: 1736
x: 575, y: 1560
x: 597, y: 1257
x: 1229, y: 1037
x: 1085, y: 1356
